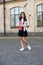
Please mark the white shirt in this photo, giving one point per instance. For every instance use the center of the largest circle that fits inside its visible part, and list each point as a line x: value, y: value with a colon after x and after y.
x: 22, y: 20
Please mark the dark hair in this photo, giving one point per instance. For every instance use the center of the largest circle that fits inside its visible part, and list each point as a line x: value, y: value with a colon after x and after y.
x: 20, y: 17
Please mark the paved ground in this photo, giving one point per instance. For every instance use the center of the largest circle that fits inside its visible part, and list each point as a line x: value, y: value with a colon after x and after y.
x: 10, y: 55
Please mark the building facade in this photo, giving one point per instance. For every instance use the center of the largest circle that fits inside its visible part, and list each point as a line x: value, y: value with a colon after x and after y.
x: 33, y: 10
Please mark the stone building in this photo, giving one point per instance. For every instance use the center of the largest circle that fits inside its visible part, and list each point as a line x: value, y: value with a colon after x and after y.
x: 32, y: 8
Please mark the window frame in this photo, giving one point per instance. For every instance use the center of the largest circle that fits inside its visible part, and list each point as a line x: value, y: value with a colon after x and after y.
x: 14, y: 14
x: 37, y: 15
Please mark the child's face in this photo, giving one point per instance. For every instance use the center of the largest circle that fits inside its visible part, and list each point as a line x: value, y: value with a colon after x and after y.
x: 22, y: 15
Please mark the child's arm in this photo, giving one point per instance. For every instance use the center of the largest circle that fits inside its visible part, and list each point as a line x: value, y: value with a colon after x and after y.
x: 20, y: 24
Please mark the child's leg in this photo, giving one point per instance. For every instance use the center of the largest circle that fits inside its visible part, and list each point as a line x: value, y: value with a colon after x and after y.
x: 24, y: 40
x: 26, y: 43
x: 22, y: 44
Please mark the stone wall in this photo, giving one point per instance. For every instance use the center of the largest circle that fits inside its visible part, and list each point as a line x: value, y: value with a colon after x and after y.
x: 1, y: 19
x: 30, y: 8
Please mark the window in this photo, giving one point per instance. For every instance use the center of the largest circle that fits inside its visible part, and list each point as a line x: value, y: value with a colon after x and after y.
x: 14, y: 16
x: 40, y: 15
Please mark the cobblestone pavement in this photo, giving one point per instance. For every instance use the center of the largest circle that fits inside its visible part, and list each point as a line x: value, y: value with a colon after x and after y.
x: 10, y: 55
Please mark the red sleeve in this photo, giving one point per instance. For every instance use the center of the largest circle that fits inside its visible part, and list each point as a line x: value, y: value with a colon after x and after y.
x: 20, y: 23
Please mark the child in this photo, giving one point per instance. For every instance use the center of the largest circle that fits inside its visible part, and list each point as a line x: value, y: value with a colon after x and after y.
x: 22, y: 31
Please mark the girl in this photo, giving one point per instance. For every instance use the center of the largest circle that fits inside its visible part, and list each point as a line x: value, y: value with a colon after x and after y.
x: 22, y: 27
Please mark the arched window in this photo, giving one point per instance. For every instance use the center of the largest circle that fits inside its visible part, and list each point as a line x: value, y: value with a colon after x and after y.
x: 40, y: 15
x: 15, y: 11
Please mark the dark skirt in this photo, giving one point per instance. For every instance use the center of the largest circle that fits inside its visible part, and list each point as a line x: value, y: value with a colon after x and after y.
x: 23, y: 33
